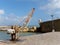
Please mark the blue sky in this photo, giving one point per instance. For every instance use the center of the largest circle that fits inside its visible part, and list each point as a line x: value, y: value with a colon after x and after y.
x: 13, y: 11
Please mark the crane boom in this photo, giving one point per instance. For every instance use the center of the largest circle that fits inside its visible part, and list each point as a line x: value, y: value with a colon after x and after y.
x: 28, y: 18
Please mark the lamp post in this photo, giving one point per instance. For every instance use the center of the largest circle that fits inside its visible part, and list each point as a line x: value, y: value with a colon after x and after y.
x: 52, y: 23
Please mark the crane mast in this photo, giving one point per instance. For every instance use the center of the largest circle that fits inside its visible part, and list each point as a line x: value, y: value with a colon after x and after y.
x: 17, y: 30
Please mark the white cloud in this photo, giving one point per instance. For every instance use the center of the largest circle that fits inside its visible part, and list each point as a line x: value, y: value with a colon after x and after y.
x: 51, y: 7
x: 8, y: 20
x: 54, y: 3
x: 2, y: 11
x: 11, y: 19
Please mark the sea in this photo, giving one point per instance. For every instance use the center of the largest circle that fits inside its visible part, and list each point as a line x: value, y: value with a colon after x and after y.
x: 5, y: 36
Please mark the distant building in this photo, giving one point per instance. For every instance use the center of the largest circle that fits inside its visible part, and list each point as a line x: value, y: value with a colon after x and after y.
x: 3, y: 28
x: 23, y: 29
x: 32, y: 29
x: 49, y: 25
